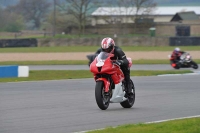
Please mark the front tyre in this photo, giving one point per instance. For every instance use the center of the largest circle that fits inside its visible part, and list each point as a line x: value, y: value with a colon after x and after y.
x: 102, y: 99
x: 130, y: 100
x: 194, y: 65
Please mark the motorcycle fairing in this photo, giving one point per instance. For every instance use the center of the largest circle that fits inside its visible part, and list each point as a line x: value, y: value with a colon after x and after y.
x: 186, y: 57
x: 98, y: 67
x: 118, y: 94
x: 118, y: 76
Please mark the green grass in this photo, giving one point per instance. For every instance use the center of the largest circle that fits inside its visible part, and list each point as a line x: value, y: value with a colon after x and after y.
x: 92, y: 49
x: 80, y: 62
x: 76, y: 36
x: 51, y: 62
x: 191, y: 125
x: 58, y: 36
x: 35, y: 75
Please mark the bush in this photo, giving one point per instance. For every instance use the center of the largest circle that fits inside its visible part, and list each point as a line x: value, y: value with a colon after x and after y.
x: 13, y: 27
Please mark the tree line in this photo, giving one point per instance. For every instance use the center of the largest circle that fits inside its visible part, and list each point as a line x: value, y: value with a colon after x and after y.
x: 59, y: 14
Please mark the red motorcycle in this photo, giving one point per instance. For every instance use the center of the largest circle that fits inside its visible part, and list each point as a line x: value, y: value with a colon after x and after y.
x: 110, y: 83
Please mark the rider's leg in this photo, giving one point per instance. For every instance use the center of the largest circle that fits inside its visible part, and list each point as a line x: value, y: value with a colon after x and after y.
x: 126, y: 72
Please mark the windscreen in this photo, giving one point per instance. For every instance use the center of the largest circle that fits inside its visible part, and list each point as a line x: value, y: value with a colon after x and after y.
x: 183, y: 56
x: 102, y: 56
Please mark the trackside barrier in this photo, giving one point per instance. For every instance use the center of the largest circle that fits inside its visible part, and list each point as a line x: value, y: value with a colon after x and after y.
x: 14, y: 71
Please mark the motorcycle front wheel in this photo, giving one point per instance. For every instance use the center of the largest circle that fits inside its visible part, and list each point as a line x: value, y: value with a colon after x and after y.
x: 102, y: 99
x: 131, y: 100
x: 194, y: 65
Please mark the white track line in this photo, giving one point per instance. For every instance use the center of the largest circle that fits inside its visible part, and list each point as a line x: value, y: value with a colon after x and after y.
x: 179, y: 74
x: 149, y: 122
x: 173, y: 119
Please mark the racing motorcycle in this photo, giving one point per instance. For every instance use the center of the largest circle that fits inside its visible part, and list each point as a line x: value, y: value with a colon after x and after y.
x: 184, y: 62
x: 110, y: 84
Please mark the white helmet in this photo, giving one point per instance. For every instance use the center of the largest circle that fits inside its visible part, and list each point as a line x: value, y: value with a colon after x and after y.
x: 177, y: 49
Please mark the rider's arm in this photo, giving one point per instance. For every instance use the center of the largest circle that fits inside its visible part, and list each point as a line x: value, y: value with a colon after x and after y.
x: 121, y: 56
x: 173, y: 56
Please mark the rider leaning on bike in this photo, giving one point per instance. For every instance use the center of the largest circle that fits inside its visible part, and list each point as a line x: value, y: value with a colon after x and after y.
x: 108, y: 45
x: 176, y: 54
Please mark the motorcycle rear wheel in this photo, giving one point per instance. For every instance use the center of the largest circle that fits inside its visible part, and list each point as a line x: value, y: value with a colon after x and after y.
x: 102, y: 100
x: 131, y: 100
x: 176, y: 66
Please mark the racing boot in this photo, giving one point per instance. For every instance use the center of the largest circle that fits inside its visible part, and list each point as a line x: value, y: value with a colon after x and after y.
x: 129, y: 87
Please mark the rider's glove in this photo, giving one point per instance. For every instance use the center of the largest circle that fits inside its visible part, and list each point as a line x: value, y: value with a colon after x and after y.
x: 118, y: 62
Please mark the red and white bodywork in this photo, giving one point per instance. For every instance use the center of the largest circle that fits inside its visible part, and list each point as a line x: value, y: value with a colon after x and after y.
x: 109, y: 80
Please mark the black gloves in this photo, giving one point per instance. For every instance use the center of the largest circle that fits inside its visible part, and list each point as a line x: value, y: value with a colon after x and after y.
x: 118, y: 62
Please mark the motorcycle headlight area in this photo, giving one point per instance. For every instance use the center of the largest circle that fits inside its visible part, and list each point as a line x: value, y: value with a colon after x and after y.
x: 188, y: 56
x: 100, y: 63
x: 182, y: 57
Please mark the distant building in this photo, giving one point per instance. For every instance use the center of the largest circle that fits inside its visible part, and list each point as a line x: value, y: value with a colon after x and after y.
x: 107, y: 15
x: 181, y: 16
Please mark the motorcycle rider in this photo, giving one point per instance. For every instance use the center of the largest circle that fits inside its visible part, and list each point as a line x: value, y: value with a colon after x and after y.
x: 108, y: 45
x: 176, y: 54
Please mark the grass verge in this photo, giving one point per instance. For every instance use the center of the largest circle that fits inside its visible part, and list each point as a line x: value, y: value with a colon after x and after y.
x: 80, y: 62
x: 51, y: 62
x: 92, y: 49
x: 191, y: 125
x: 58, y: 36
x: 37, y: 75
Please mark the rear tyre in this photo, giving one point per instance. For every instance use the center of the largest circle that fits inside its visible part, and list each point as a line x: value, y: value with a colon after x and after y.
x: 102, y: 99
x: 176, y: 67
x: 131, y: 99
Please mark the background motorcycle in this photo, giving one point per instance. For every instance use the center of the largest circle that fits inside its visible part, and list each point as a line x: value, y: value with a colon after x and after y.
x: 110, y: 83
x: 184, y: 62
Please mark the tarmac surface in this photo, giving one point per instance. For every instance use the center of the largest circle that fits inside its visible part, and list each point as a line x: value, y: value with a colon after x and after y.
x: 67, y: 106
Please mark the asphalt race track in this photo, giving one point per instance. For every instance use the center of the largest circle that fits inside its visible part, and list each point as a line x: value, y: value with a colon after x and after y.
x: 67, y: 106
